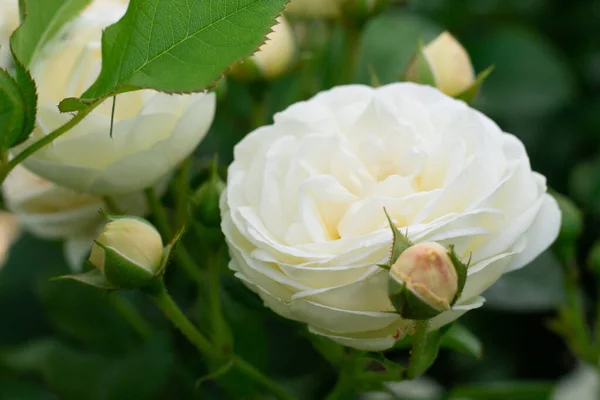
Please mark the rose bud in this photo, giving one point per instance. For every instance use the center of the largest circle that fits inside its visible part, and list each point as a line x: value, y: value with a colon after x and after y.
x: 447, y: 61
x: 129, y: 252
x: 424, y: 281
x: 205, y: 201
x: 274, y: 57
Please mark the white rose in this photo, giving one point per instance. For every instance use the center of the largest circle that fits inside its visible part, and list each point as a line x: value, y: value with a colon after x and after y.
x: 9, y: 21
x: 53, y: 212
x: 303, y: 210
x: 153, y: 132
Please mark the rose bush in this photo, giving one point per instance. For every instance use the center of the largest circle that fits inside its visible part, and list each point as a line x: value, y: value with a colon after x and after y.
x: 153, y: 132
x: 54, y: 212
x: 303, y: 209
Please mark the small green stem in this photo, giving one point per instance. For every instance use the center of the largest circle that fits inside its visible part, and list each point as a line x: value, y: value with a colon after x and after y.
x: 112, y: 205
x: 165, y: 302
x: 250, y: 371
x: 418, y: 349
x: 184, y: 258
x: 219, y: 326
x: 580, y: 340
x: 350, y: 54
x: 340, y: 390
x: 5, y: 170
x: 181, y: 189
x: 160, y: 216
x: 131, y: 315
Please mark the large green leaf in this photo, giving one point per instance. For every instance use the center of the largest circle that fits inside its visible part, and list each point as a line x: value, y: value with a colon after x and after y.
x: 44, y: 20
x: 535, y: 287
x: 389, y: 43
x: 530, y: 79
x: 180, y: 45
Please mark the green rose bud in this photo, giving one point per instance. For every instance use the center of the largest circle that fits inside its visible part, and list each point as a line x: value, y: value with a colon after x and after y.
x: 423, y: 281
x: 205, y: 201
x: 129, y: 252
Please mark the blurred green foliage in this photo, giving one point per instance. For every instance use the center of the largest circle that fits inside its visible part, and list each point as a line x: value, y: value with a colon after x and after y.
x: 545, y: 89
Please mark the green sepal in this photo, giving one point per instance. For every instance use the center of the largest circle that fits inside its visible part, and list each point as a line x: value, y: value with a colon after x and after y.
x: 122, y: 272
x: 469, y: 94
x: 407, y: 304
x: 461, y: 272
x: 399, y: 243
x: 91, y: 278
x: 419, y: 70
x: 167, y: 251
x: 373, y: 76
x: 384, y: 266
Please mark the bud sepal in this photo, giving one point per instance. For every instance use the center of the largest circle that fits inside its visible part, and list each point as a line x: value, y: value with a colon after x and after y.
x: 407, y: 303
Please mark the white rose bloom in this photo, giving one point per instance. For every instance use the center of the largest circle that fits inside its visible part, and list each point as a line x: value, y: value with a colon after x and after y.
x: 9, y: 21
x: 53, y: 212
x: 153, y: 131
x: 303, y: 210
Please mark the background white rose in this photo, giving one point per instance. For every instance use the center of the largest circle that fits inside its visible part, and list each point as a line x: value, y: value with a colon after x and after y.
x: 152, y: 132
x: 303, y: 209
x: 53, y: 212
x: 9, y: 21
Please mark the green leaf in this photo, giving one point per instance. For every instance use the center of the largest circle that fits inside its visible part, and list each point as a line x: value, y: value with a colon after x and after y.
x: 74, y: 374
x: 12, y: 115
x: 91, y: 278
x: 535, y: 287
x: 151, y: 48
x: 44, y: 19
x: 503, y: 390
x: 90, y: 317
x: 531, y: 77
x: 459, y: 338
x: 29, y: 95
x: 388, y: 44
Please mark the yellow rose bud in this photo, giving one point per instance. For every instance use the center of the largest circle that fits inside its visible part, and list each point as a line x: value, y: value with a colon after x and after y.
x: 128, y: 252
x: 426, y: 272
x: 449, y: 63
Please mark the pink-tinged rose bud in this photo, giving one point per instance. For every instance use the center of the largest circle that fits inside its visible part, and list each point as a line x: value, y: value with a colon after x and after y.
x: 425, y: 273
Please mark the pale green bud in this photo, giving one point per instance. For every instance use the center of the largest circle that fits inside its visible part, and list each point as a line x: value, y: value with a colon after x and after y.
x: 129, y: 252
x: 423, y: 281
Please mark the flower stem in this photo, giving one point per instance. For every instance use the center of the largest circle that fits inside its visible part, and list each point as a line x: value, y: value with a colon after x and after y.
x: 165, y: 302
x: 220, y: 331
x: 251, y: 372
x: 418, y: 349
x: 130, y: 315
x: 181, y: 189
x: 5, y: 170
x: 184, y: 258
x: 350, y: 54
x: 158, y: 293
